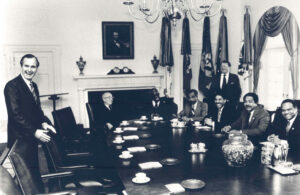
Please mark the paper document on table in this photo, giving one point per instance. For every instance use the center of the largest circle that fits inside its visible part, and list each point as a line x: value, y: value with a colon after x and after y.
x: 283, y: 170
x: 131, y: 137
x: 150, y: 165
x: 136, y: 149
x: 175, y: 188
x: 130, y: 128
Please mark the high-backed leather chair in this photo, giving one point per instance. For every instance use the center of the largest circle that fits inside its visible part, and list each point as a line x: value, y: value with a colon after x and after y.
x: 82, y: 168
x: 59, y: 160
x: 29, y: 179
x: 7, y: 184
x: 66, y: 125
x: 91, y: 114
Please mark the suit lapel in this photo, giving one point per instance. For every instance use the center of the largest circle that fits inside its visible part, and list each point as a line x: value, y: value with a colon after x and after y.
x: 253, y: 116
x: 25, y: 88
x: 197, y: 110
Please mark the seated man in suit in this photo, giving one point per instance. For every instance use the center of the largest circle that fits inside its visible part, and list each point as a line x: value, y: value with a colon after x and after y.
x: 108, y: 116
x: 253, y: 120
x: 194, y: 110
x: 221, y: 114
x: 288, y: 125
x: 228, y: 84
x: 164, y: 106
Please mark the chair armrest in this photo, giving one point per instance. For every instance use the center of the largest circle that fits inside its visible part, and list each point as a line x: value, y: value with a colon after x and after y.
x: 74, y: 167
x: 66, y: 192
x: 78, y: 154
x: 57, y: 174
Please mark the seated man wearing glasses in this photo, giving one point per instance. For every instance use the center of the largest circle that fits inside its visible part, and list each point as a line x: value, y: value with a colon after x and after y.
x: 108, y: 116
x: 194, y: 110
x: 287, y: 124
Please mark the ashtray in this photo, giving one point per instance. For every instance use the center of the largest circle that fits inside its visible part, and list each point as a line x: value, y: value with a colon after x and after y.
x: 152, y: 146
x: 145, y: 135
x: 169, y: 161
x: 218, y: 135
x: 193, y: 184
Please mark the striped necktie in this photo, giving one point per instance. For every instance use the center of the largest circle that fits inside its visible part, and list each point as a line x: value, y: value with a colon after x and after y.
x: 33, y: 92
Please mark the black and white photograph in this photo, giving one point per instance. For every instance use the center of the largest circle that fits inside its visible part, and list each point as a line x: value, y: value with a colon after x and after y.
x: 150, y: 97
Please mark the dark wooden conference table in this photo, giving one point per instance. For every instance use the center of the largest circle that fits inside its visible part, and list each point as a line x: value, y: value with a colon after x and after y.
x: 209, y: 167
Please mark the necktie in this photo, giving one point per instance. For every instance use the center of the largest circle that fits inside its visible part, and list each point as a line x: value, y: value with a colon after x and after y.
x: 193, y: 110
x: 219, y: 115
x: 248, y: 119
x: 33, y: 92
x: 287, y: 128
x: 109, y: 107
x: 224, y: 81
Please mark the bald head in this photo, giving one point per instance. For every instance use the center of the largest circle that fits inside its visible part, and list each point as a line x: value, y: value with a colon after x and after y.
x: 107, y: 98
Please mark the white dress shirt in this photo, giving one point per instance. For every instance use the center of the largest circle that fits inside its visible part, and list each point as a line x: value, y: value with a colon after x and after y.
x: 222, y: 77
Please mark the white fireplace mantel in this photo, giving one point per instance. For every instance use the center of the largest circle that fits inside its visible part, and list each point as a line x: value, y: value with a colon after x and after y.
x: 86, y: 83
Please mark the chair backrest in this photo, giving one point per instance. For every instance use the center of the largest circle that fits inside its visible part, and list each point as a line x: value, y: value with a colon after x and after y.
x: 91, y: 114
x: 54, y: 153
x: 7, y: 184
x: 65, y: 123
x: 29, y: 179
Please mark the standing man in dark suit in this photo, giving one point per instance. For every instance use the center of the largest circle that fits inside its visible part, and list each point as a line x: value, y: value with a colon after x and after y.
x: 194, y: 110
x: 220, y: 114
x: 228, y: 84
x: 253, y: 120
x: 288, y: 126
x: 26, y: 120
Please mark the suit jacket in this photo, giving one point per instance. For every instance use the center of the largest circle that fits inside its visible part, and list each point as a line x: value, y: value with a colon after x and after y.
x: 167, y: 108
x: 104, y: 115
x: 232, y: 90
x: 25, y: 115
x: 200, y: 111
x: 227, y: 116
x: 257, y: 126
x: 293, y: 137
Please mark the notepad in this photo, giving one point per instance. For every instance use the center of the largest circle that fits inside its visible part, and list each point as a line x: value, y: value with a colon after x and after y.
x: 283, y: 170
x: 150, y: 165
x: 131, y: 137
x: 175, y: 188
x: 130, y: 129
x: 137, y: 149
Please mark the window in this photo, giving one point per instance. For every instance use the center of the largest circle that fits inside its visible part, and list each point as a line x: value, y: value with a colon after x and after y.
x: 275, y: 83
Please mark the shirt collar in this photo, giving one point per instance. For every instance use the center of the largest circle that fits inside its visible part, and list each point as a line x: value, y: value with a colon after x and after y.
x: 292, y: 120
x: 26, y: 81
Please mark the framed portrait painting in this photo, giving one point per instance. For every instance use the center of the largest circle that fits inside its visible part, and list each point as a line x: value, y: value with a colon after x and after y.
x: 117, y: 40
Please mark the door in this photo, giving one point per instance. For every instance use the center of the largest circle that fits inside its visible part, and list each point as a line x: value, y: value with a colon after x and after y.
x: 48, y: 75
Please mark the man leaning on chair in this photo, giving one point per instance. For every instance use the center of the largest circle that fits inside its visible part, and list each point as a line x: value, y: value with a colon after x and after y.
x: 26, y: 120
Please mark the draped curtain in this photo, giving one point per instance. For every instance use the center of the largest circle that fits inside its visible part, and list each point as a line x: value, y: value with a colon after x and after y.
x: 277, y: 20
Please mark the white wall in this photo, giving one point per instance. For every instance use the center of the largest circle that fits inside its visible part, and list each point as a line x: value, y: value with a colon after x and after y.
x: 75, y: 25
